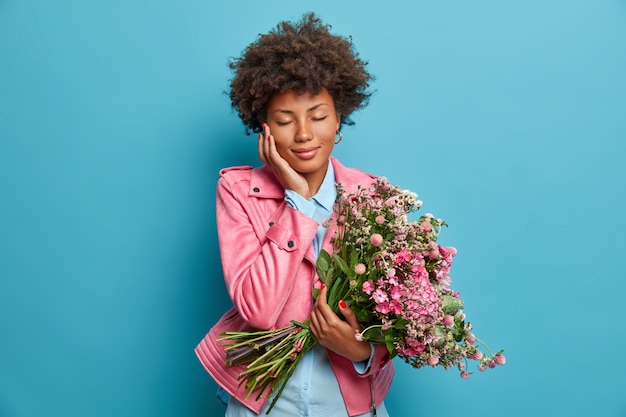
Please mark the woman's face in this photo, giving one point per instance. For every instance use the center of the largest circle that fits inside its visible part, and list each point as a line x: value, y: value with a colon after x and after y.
x: 304, y: 127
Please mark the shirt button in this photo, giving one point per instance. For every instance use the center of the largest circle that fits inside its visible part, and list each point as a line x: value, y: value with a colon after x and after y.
x: 256, y: 189
x: 290, y: 243
x: 271, y: 224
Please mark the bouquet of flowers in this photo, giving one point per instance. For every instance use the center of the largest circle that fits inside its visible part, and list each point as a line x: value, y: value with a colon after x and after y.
x: 393, y: 274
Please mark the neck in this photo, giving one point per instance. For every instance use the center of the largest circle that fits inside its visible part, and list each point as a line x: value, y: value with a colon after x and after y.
x: 315, y: 180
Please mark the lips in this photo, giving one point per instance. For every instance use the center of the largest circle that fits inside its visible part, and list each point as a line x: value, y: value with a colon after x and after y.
x: 306, y: 153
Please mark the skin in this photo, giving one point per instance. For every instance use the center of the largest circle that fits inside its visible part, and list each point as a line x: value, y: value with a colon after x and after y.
x: 297, y: 140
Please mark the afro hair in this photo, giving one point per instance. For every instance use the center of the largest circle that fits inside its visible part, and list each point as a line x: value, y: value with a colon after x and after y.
x: 302, y: 56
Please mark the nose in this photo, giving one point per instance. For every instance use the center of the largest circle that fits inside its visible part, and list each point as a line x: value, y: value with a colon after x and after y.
x: 304, y: 132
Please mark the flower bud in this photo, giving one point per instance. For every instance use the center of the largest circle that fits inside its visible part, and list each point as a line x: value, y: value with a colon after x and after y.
x: 478, y: 355
x: 376, y: 240
x: 359, y: 269
x: 448, y: 320
x: 499, y: 359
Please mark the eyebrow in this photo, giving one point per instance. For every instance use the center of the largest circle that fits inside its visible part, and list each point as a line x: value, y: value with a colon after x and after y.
x: 308, y: 110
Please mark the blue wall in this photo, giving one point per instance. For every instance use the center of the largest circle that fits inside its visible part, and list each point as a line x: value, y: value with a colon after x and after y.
x: 507, y: 117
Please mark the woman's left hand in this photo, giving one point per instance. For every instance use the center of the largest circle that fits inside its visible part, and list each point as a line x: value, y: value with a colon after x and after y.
x: 336, y: 334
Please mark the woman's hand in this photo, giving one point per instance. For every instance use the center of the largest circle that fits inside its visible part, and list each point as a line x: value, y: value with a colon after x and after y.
x: 289, y: 178
x: 336, y: 334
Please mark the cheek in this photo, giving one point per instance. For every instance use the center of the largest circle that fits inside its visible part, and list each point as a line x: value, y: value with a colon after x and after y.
x: 281, y: 145
x: 327, y: 132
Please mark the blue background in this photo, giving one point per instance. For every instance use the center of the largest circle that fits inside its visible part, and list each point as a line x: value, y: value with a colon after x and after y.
x: 507, y: 117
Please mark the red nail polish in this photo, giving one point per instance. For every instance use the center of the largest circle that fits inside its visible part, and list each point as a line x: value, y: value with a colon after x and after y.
x: 343, y: 304
x: 322, y: 287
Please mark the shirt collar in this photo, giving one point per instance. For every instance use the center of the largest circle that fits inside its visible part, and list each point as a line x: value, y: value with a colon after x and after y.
x: 327, y: 193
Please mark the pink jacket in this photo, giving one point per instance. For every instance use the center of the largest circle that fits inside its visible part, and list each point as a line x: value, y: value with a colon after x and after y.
x: 267, y: 260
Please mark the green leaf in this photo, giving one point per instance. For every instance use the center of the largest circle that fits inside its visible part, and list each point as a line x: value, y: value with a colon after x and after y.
x: 323, y: 264
x: 316, y: 292
x: 328, y: 279
x: 334, y: 295
x: 354, y: 258
x: 376, y: 334
x: 363, y: 316
x: 389, y: 339
x: 342, y: 264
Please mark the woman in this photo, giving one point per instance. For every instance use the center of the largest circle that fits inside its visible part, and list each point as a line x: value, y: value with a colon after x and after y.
x: 296, y: 86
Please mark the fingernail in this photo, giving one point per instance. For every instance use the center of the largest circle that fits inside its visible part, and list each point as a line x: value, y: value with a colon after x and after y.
x: 342, y: 304
x: 260, y: 136
x: 322, y: 287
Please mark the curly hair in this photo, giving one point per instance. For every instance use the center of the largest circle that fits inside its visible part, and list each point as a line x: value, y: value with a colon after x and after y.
x: 302, y: 56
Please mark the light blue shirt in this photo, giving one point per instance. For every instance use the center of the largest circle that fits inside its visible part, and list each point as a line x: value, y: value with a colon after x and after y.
x: 312, y: 390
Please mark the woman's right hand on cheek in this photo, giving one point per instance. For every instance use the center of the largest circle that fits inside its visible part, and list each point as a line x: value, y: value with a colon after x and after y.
x: 286, y: 175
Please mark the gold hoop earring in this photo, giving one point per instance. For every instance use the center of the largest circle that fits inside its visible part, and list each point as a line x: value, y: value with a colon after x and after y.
x: 338, y: 141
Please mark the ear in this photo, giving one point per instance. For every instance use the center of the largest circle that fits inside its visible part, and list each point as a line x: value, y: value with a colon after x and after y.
x: 338, y: 122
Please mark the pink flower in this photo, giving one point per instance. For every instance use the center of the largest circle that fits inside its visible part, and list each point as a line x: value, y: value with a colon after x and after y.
x: 426, y: 226
x: 499, y: 359
x: 478, y: 355
x: 433, y: 360
x: 465, y: 374
x: 396, y: 307
x: 380, y: 296
x: 376, y: 240
x: 402, y: 256
x: 383, y: 308
x: 359, y: 269
x: 448, y: 320
x: 368, y: 287
x: 396, y: 293
x: 359, y: 337
x: 380, y: 219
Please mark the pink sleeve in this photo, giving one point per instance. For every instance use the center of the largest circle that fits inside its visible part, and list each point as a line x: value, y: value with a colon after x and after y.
x: 260, y: 261
x: 380, y: 359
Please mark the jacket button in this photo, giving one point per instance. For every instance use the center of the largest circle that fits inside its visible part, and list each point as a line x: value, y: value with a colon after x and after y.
x: 290, y: 243
x: 256, y: 189
x: 271, y: 224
